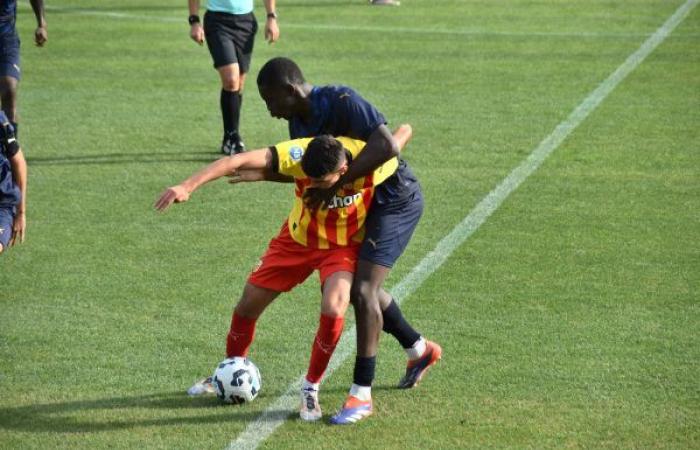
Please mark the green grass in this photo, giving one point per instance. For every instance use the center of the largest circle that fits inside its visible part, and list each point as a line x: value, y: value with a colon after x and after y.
x: 570, y: 319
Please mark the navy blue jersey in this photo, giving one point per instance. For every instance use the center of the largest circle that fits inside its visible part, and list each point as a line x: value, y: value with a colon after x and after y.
x: 340, y: 111
x: 10, y: 194
x: 8, y: 15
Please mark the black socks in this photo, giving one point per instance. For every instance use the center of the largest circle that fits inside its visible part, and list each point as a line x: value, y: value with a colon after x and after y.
x: 396, y: 325
x: 231, y: 110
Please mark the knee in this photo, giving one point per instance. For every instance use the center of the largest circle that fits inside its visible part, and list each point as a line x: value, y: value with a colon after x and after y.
x: 231, y: 84
x: 364, y: 298
x: 8, y: 88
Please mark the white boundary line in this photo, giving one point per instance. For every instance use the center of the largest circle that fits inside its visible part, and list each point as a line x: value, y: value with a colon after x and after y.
x: 277, y: 413
x: 349, y: 28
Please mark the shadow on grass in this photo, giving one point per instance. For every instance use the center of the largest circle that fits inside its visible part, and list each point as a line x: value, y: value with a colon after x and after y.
x: 122, y: 158
x: 89, y: 416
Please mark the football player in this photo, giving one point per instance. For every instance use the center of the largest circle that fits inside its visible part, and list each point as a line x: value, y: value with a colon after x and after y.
x: 396, y: 208
x: 328, y: 240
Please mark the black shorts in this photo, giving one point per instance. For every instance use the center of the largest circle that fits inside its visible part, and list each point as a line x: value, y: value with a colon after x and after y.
x: 230, y: 38
x: 388, y: 229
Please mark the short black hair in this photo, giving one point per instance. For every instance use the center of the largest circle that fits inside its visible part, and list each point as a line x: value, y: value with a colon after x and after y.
x: 322, y: 156
x: 279, y: 72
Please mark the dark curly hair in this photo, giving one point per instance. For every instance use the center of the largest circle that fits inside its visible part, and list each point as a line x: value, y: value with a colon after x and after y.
x: 322, y: 156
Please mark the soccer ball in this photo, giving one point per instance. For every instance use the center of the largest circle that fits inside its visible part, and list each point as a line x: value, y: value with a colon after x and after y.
x: 237, y: 380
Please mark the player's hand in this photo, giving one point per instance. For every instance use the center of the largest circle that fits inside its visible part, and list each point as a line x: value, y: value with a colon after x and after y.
x: 41, y: 36
x: 315, y: 198
x: 272, y: 31
x: 18, y: 227
x: 244, y: 176
x: 175, y: 194
x: 197, y: 33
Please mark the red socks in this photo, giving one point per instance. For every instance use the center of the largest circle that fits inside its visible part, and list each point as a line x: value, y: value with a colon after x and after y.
x: 327, y: 336
x: 242, y: 332
x: 240, y: 336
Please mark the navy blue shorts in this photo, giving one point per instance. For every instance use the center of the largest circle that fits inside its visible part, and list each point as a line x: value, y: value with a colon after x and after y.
x: 7, y: 218
x: 9, y: 56
x: 388, y: 229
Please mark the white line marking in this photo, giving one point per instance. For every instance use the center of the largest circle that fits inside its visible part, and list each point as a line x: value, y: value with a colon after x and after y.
x: 277, y: 413
x: 350, y: 28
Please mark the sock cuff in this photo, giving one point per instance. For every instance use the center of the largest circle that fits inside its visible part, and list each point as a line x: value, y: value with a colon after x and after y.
x: 244, y: 322
x: 334, y: 323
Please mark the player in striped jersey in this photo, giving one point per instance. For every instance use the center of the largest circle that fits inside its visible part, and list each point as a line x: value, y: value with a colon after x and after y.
x: 324, y: 239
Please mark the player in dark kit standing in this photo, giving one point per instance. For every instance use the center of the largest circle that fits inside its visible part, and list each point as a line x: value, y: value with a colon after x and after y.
x: 9, y: 53
x: 13, y: 187
x: 229, y: 29
x: 393, y: 216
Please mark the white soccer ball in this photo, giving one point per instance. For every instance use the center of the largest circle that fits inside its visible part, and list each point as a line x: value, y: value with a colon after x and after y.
x: 237, y: 380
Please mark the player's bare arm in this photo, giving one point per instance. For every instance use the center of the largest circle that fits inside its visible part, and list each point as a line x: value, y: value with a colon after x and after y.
x: 196, y: 29
x: 19, y: 173
x: 40, y: 34
x: 253, y: 160
x: 272, y: 31
x: 381, y: 146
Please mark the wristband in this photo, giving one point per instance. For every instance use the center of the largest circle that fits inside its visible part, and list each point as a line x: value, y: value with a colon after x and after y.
x: 194, y: 18
x: 272, y: 15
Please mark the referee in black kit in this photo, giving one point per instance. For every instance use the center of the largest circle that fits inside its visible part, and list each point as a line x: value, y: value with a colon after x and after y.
x: 229, y: 29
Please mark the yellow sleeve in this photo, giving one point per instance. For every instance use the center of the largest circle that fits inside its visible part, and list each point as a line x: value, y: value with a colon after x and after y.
x: 289, y: 155
x: 352, y: 145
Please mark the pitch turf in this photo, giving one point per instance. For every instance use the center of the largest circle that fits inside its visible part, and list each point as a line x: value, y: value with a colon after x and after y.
x: 568, y: 320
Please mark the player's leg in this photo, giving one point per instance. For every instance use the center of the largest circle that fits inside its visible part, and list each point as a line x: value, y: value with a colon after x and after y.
x: 368, y: 280
x: 8, y: 97
x: 283, y: 266
x: 243, y: 38
x: 336, y: 268
x: 388, y: 231
x: 242, y: 330
x: 421, y: 352
x: 219, y: 29
x: 9, y: 76
x: 230, y: 102
x: 245, y: 315
x: 336, y: 298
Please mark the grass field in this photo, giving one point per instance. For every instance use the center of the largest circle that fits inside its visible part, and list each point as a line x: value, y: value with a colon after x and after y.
x: 569, y: 319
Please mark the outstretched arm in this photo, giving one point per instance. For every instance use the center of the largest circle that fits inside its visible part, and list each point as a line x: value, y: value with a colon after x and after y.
x: 253, y: 160
x: 40, y: 35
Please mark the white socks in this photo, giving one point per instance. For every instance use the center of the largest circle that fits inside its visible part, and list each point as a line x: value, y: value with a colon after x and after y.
x: 364, y: 393
x: 307, y: 385
x: 417, y: 350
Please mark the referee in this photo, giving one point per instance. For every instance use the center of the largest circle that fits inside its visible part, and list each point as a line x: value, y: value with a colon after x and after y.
x: 229, y: 29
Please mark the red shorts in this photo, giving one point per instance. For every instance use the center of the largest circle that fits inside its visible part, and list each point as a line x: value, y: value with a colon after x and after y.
x: 287, y: 263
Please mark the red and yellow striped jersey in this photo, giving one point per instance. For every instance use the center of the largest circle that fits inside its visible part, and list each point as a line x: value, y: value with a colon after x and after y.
x: 342, y: 223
